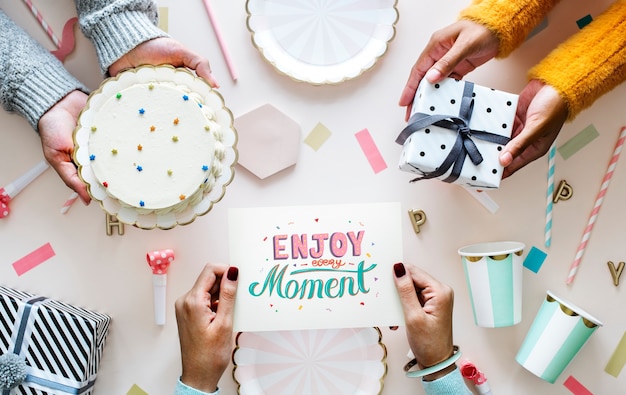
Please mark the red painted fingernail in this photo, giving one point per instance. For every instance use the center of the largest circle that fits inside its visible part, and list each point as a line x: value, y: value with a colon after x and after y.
x: 233, y: 273
x: 399, y: 269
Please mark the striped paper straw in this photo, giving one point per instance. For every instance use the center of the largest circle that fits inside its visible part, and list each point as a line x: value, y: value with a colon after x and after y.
x: 42, y: 22
x: 596, y: 207
x: 549, y: 195
x: 69, y: 202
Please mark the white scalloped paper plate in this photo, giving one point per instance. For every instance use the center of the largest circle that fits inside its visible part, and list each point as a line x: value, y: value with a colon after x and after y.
x: 145, y: 74
x: 310, y: 362
x: 322, y: 41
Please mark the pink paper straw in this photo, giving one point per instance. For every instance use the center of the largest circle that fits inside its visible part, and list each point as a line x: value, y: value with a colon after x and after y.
x: 43, y: 23
x: 220, y: 40
x: 596, y: 207
x: 69, y: 202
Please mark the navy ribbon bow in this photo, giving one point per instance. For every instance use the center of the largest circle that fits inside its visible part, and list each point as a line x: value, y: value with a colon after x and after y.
x: 463, y: 146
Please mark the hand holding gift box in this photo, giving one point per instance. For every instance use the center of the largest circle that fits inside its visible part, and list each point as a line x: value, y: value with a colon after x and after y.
x: 456, y: 131
x: 55, y: 346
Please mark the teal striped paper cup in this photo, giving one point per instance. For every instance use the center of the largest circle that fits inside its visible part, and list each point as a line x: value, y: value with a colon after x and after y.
x: 493, y: 272
x: 559, y: 331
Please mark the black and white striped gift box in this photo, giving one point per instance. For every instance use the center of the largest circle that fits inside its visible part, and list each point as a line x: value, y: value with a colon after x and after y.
x: 61, y: 344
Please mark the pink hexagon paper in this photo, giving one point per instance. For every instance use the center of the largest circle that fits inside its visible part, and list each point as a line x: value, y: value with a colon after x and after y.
x: 269, y: 141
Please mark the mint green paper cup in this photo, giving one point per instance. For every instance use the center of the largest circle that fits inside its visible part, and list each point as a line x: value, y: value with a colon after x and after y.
x: 493, y: 272
x: 557, y: 334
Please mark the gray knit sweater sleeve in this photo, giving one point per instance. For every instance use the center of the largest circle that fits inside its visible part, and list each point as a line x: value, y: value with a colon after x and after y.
x: 116, y: 27
x: 31, y: 79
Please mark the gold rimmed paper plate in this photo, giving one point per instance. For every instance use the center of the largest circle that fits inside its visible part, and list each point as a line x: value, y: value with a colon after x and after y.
x: 308, y: 362
x: 321, y: 41
x: 141, y: 75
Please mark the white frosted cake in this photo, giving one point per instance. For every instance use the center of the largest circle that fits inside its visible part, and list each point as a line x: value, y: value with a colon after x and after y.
x: 153, y: 144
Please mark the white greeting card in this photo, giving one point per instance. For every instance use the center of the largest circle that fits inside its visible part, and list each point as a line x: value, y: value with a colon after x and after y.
x: 316, y: 267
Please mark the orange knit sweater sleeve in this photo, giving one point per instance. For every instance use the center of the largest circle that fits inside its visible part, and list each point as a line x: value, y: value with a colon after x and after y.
x: 590, y: 63
x: 510, y: 20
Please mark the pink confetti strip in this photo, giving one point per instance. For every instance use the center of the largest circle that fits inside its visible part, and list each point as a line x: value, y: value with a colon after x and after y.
x: 43, y: 23
x: 33, y: 259
x: 69, y: 202
x: 596, y: 207
x: 220, y: 40
x: 576, y: 387
x: 371, y: 150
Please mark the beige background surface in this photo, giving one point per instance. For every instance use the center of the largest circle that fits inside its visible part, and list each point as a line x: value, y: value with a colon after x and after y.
x: 109, y: 273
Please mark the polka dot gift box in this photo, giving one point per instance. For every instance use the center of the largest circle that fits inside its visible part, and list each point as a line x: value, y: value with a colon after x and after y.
x: 456, y: 132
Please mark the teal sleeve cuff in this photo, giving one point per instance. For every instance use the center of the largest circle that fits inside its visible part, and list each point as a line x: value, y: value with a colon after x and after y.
x: 183, y: 389
x: 450, y: 384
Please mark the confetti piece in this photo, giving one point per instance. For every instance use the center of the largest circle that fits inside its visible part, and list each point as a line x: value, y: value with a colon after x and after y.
x: 163, y: 18
x: 483, y: 199
x: 584, y: 21
x: 618, y: 359
x: 69, y: 202
x: 534, y: 259
x: 371, y: 151
x: 596, y: 206
x: 317, y: 136
x: 135, y: 390
x: 576, y: 387
x: 33, y: 259
x: 579, y: 141
x: 541, y: 26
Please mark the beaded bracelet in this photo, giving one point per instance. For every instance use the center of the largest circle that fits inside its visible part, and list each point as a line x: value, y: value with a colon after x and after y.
x: 432, y: 369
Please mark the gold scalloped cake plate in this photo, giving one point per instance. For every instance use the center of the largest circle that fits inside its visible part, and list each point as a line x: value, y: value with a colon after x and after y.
x: 321, y: 41
x: 144, y: 75
x: 309, y: 362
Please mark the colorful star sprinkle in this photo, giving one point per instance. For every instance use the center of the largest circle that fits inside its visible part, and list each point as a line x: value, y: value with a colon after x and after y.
x: 169, y: 172
x: 93, y: 128
x: 114, y: 151
x: 139, y: 168
x: 142, y: 111
x: 185, y: 97
x: 105, y: 184
x: 141, y: 203
x: 151, y: 86
x: 118, y: 96
x: 200, y: 105
x: 176, y: 121
x: 182, y: 197
x: 152, y: 128
x: 207, y: 128
x: 92, y: 157
x: 205, y: 167
x: 139, y: 147
x: 174, y: 138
